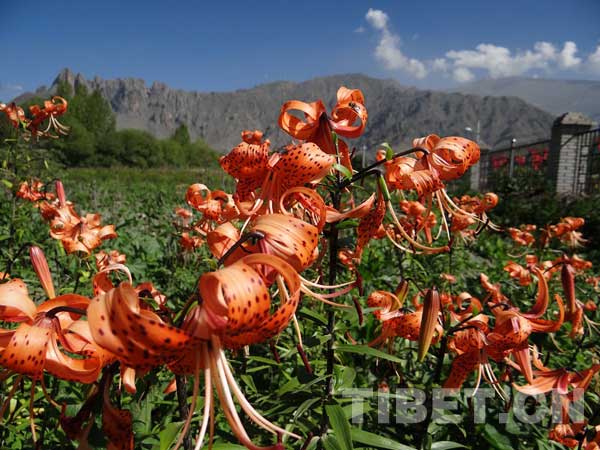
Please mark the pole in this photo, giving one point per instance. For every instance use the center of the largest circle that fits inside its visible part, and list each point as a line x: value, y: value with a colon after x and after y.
x: 364, y: 156
x: 511, y: 167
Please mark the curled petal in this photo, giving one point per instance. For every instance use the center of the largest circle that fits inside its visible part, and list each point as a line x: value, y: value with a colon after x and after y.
x: 542, y: 298
x: 288, y: 238
x: 355, y: 213
x: 452, y: 156
x: 15, y: 304
x: 237, y: 300
x: 308, y: 201
x: 301, y: 164
x: 117, y: 424
x: 294, y: 126
x: 221, y: 239
x: 462, y: 366
x: 138, y: 337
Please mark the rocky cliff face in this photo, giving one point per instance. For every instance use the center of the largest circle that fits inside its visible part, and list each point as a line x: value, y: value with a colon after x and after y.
x: 397, y: 114
x: 554, y: 96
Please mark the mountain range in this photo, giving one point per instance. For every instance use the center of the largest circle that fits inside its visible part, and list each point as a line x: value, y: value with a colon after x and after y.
x: 397, y: 113
x: 554, y: 96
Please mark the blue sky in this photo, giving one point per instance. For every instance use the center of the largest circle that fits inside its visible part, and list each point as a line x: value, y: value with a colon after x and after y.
x: 220, y: 45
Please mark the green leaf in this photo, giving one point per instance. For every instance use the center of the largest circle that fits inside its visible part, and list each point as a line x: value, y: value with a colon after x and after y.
x: 306, y: 404
x: 445, y: 445
x: 314, y: 315
x: 366, y: 350
x: 330, y: 443
x: 347, y: 223
x: 340, y: 426
x: 343, y: 170
x: 496, y: 439
x: 375, y: 440
x: 290, y: 386
x: 389, y: 152
x: 227, y: 446
x: 383, y: 187
x: 7, y: 183
x: 169, y: 434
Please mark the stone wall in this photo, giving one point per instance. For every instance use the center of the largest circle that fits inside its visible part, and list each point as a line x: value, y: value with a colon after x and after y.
x: 567, y: 159
x: 567, y: 164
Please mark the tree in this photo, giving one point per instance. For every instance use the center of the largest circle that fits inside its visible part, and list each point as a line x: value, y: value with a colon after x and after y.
x: 182, y: 135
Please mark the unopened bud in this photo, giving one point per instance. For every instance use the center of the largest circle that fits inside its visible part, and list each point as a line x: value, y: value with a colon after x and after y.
x: 431, y: 312
x: 40, y: 265
x: 60, y: 193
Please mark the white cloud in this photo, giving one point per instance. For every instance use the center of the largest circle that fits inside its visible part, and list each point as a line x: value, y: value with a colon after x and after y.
x: 388, y: 49
x: 360, y: 29
x: 9, y: 91
x: 440, y: 65
x: 462, y: 74
x: 377, y: 19
x: 567, y: 58
x: 496, y: 61
x: 486, y: 59
x: 593, y: 62
x: 11, y: 87
x: 500, y: 62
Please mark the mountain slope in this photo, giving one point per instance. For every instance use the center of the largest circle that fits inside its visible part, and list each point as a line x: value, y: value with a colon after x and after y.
x: 397, y: 114
x: 554, y: 96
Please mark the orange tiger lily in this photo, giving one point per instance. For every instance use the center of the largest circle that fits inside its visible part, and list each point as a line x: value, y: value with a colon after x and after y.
x: 117, y: 424
x: 517, y: 271
x: 189, y: 242
x: 104, y: 260
x: 395, y: 322
x: 14, y: 113
x: 235, y: 312
x: 568, y: 434
x: 565, y: 231
x: 33, y: 192
x: 289, y: 238
x: 248, y: 164
x: 446, y: 159
x: 449, y: 157
x: 560, y: 380
x: 136, y: 335
x: 53, y: 108
x: 418, y: 217
x: 348, y: 119
x: 215, y: 206
x: 236, y: 302
x: 523, y: 235
x: 32, y: 347
x: 470, y: 344
x: 293, y: 167
x: 77, y: 234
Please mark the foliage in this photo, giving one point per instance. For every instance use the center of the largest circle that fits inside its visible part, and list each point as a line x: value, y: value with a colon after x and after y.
x: 93, y: 139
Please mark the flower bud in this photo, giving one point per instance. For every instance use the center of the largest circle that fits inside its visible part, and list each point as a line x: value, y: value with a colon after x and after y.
x: 40, y: 265
x: 60, y: 193
x: 431, y: 312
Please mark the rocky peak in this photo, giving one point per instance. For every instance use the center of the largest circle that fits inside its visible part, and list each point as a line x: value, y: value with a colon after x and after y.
x: 397, y: 113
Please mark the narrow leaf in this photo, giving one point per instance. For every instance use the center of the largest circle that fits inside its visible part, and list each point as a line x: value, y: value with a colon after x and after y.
x: 343, y: 170
x: 375, y: 440
x: 445, y: 445
x: 168, y: 435
x: 366, y: 350
x: 340, y: 426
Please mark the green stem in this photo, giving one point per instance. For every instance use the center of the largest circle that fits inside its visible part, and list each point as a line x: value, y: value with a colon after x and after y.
x: 371, y: 168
